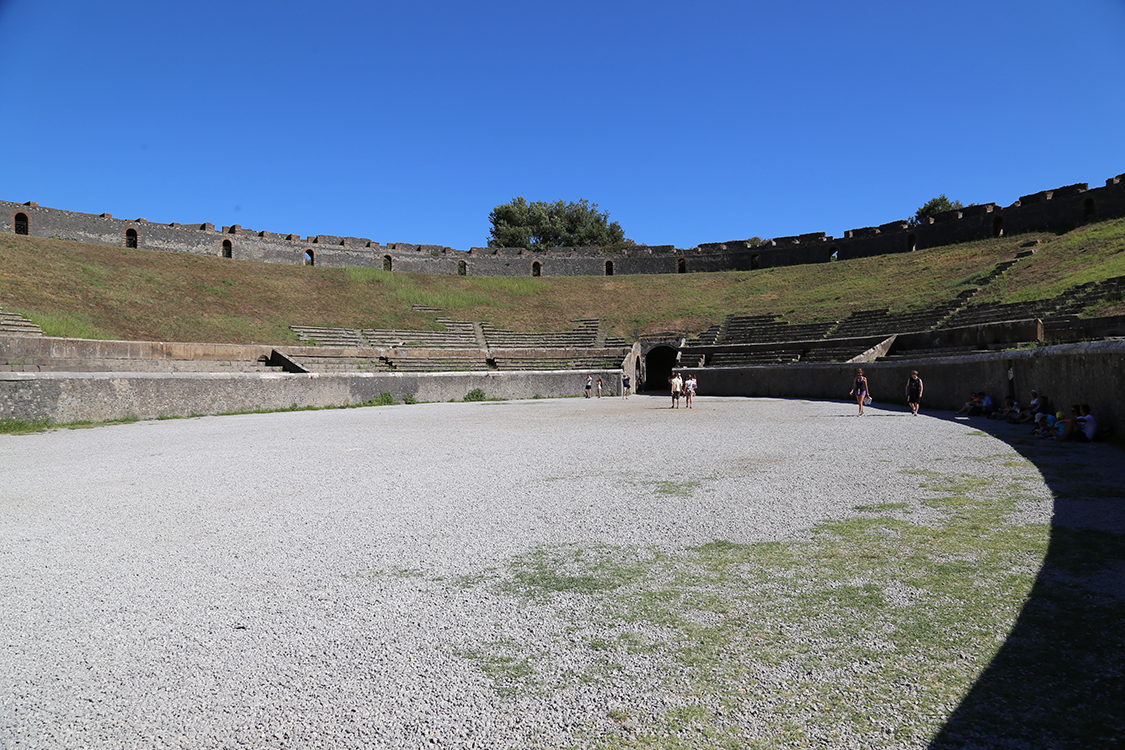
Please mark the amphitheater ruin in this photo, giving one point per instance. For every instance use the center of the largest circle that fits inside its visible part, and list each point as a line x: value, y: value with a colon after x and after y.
x: 1004, y: 348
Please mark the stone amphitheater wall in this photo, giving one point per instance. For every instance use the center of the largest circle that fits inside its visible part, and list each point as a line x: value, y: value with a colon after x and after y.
x: 1048, y: 210
x: 1091, y: 373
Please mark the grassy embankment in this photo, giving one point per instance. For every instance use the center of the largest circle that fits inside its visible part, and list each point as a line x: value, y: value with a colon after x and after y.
x: 93, y: 291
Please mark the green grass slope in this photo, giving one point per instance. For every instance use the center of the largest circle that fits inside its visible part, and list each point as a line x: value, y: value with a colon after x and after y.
x: 94, y: 291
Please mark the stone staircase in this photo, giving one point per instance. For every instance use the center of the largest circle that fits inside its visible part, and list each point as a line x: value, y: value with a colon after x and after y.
x: 14, y: 324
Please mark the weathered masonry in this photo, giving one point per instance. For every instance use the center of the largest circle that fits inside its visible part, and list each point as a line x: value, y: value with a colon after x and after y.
x: 1048, y: 210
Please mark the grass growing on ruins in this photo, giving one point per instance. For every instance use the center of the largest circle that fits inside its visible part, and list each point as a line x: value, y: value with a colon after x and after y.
x: 23, y: 426
x: 1089, y: 253
x: 94, y: 291
x: 868, y: 634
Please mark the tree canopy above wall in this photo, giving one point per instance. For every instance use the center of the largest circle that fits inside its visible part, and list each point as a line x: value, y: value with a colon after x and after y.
x: 539, y: 225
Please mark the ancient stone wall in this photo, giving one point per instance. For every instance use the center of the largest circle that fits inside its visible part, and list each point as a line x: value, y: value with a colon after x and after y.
x: 1049, y: 210
x: 97, y: 397
x: 1091, y: 373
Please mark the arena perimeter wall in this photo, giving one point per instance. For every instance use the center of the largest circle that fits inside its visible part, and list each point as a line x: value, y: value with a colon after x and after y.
x: 1091, y: 373
x: 98, y: 397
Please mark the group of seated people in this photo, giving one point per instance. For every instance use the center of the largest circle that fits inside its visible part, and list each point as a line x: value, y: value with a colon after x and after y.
x: 1080, y: 426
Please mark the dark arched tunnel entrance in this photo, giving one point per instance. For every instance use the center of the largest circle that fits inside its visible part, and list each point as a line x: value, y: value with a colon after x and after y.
x: 658, y: 368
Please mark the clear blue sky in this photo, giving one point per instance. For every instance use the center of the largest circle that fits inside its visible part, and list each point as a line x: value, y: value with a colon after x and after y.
x: 409, y: 122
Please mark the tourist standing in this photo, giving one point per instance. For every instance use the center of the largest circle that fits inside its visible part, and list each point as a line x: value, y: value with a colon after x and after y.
x: 625, y: 387
x: 914, y: 392
x: 589, y: 385
x: 677, y: 386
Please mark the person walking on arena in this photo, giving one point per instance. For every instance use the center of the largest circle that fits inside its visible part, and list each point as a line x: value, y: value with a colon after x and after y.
x: 914, y: 392
x: 859, y: 389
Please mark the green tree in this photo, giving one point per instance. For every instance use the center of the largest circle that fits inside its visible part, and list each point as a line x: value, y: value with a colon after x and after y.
x: 539, y: 225
x: 934, y: 206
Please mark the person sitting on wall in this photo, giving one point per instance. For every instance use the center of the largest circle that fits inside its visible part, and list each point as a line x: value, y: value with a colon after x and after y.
x: 1082, y: 427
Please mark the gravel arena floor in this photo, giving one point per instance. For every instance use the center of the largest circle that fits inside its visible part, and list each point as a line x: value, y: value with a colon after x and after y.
x: 332, y: 578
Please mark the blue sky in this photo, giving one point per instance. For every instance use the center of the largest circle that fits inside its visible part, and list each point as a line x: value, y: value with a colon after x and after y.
x: 409, y: 122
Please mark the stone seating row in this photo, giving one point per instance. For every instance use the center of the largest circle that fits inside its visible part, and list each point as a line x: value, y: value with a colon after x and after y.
x: 882, y: 322
x: 761, y: 329
x: 585, y: 336
x: 14, y: 324
x: 70, y: 364
x: 996, y: 312
x: 570, y: 362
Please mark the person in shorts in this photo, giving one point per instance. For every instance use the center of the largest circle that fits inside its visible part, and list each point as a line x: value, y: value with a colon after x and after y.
x: 625, y: 382
x: 859, y: 389
x: 914, y: 392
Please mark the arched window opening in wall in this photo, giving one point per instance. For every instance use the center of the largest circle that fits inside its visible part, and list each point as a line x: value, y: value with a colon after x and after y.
x: 536, y: 269
x: 609, y: 268
x: 835, y: 253
x: 310, y: 257
x: 1088, y: 212
x: 462, y: 268
x: 998, y: 226
x: 22, y: 223
x: 131, y: 238
x: 911, y: 242
x: 228, y: 249
x: 388, y: 264
x: 681, y: 266
x: 755, y: 262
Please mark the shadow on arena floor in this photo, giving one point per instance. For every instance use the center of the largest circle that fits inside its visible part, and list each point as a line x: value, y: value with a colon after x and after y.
x: 1059, y: 678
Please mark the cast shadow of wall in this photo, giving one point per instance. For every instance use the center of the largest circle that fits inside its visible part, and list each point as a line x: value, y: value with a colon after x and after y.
x: 1058, y: 681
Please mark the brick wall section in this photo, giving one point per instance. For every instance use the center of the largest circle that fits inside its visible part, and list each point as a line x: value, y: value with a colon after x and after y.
x: 1052, y: 210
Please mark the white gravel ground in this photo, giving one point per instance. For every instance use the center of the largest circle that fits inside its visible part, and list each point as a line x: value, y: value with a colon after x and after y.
x: 269, y: 580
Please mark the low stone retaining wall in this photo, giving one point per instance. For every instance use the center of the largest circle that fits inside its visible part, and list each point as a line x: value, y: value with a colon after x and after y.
x: 1092, y: 373
x: 95, y: 397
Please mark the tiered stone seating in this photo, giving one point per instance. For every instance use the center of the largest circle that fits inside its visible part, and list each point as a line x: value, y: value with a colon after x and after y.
x: 993, y: 312
x: 437, y: 364
x: 769, y: 357
x: 883, y: 323
x: 324, y: 336
x: 947, y: 351
x: 763, y: 329
x: 585, y: 336
x: 575, y: 361
x: 340, y: 363
x: 833, y: 353
x: 1110, y: 290
x: 708, y: 337
x: 458, y: 335
x: 68, y: 364
x: 14, y: 324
